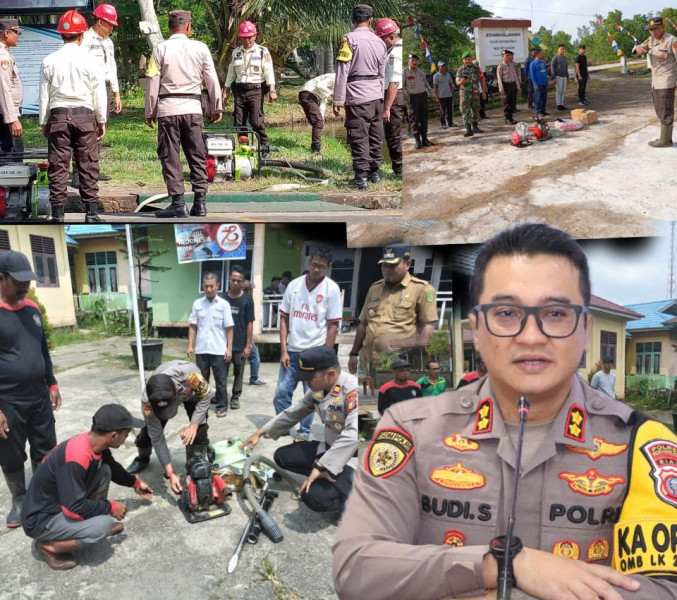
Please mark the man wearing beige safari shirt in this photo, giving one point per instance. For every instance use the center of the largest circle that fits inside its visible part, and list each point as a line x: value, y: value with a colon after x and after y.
x: 178, y: 68
x: 11, y: 91
x: 437, y: 482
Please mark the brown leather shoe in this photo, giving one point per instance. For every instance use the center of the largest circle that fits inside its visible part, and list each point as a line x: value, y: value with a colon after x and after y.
x: 117, y: 528
x: 57, y: 554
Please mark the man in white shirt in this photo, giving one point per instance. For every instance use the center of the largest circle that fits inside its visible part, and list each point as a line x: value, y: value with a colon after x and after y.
x: 310, y: 314
x: 313, y: 100
x: 210, y: 337
x: 72, y: 116
x: 605, y: 380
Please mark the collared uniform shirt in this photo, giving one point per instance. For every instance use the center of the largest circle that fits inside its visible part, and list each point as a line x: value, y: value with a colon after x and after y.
x: 394, y: 66
x: 362, y: 55
x: 213, y: 320
x: 507, y: 73
x: 180, y: 65
x: 338, y: 411
x: 472, y: 74
x: 179, y: 371
x: 436, y: 485
x: 415, y: 82
x: 69, y: 78
x: 322, y: 87
x: 251, y: 66
x: 310, y: 312
x: 663, y: 55
x: 103, y: 51
x: 11, y: 87
x: 398, y: 311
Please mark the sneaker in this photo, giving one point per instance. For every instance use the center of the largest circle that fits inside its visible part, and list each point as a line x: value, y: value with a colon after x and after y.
x: 582, y: 103
x: 586, y: 102
x: 443, y: 126
x: 257, y: 382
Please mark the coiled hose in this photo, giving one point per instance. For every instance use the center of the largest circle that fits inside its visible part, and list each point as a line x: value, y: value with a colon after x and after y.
x: 268, y: 524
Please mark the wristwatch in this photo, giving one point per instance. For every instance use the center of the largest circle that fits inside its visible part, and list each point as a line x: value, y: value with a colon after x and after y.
x: 319, y: 466
x: 351, y: 353
x: 497, y: 548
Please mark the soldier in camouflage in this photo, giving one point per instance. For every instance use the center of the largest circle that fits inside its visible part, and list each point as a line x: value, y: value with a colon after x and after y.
x: 468, y: 80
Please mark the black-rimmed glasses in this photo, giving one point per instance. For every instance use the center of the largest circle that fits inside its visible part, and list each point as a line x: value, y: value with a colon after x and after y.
x: 553, y: 320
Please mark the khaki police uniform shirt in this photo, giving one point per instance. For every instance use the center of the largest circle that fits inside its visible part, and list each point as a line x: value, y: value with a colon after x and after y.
x: 361, y: 54
x: 397, y: 311
x: 338, y: 411
x: 70, y: 78
x: 180, y: 65
x: 179, y: 371
x: 415, y: 82
x: 394, y: 66
x: 663, y: 57
x: 251, y: 66
x: 507, y: 73
x: 11, y: 88
x: 103, y: 51
x: 435, y: 486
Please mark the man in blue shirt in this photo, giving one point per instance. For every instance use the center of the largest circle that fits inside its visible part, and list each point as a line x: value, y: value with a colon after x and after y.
x: 539, y: 76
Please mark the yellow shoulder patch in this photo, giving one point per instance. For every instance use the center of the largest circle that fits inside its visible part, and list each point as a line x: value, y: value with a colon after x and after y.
x: 345, y: 54
x: 152, y: 70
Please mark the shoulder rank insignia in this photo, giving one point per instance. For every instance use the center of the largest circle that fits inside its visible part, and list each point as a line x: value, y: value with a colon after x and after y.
x: 351, y: 401
x: 602, y: 448
x: 197, y: 385
x: 147, y: 410
x: 484, y: 418
x: 454, y: 538
x: 336, y: 390
x: 598, y: 550
x: 345, y: 53
x: 567, y: 549
x: 388, y: 453
x: 662, y: 456
x: 575, y: 427
x: 591, y: 483
x: 457, y: 477
x: 460, y: 443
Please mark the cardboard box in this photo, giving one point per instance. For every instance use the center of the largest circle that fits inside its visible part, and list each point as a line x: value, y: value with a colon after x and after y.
x: 585, y: 116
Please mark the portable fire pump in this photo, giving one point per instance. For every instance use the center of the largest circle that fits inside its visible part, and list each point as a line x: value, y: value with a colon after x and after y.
x: 24, y: 191
x: 232, y: 153
x: 204, y: 495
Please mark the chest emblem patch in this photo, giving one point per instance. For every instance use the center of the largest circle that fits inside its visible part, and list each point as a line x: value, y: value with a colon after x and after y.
x: 591, y: 483
x: 457, y: 477
x: 597, y: 550
x: 567, y: 549
x: 460, y: 443
x: 388, y: 453
x: 602, y: 448
x: 454, y: 538
x: 662, y: 456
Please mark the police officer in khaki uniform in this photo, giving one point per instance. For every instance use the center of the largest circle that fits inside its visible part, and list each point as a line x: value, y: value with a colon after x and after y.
x: 177, y: 70
x: 393, y: 101
x: 416, y: 92
x: 11, y: 92
x: 329, y: 465
x: 437, y: 481
x: 73, y: 116
x: 662, y: 50
x: 400, y: 310
x: 360, y: 73
x: 508, y: 79
x: 251, y: 76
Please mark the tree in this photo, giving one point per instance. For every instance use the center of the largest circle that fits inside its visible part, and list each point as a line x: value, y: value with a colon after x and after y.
x: 153, y: 35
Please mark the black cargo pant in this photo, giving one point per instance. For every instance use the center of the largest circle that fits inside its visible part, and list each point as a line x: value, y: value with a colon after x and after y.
x: 447, y: 110
x: 249, y: 109
x: 364, y: 128
x: 323, y: 496
x: 29, y: 420
x: 664, y: 103
x: 582, y: 84
x: 217, y: 365
x: 238, y: 373
x: 311, y: 107
x: 393, y: 132
x: 9, y: 144
x: 72, y: 131
x: 201, y: 437
x: 419, y: 117
x: 509, y: 99
x: 182, y: 131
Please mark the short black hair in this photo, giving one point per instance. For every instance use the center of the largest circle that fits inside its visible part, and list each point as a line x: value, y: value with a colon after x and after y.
x: 561, y: 46
x: 237, y: 269
x: 287, y: 274
x: 582, y: 46
x: 531, y: 239
x: 211, y: 275
x: 430, y: 362
x: 323, y: 254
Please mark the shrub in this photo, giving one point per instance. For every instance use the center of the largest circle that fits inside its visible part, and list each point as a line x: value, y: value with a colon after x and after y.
x: 46, y: 325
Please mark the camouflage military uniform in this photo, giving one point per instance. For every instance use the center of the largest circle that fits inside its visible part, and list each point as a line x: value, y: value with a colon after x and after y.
x: 469, y: 93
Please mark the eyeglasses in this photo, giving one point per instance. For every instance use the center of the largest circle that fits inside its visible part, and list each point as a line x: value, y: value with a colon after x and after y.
x: 319, y: 266
x: 553, y: 320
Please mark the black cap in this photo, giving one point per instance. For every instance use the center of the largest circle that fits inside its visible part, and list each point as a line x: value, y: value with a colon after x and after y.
x: 180, y: 17
x: 274, y: 277
x: 17, y: 265
x: 6, y: 24
x: 413, y: 56
x: 313, y: 360
x: 399, y: 363
x: 506, y: 51
x: 362, y: 13
x: 161, y: 390
x: 114, y: 417
x: 655, y: 22
x: 394, y: 253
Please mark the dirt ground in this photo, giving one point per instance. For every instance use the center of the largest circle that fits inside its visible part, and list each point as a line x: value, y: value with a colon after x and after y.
x: 600, y: 181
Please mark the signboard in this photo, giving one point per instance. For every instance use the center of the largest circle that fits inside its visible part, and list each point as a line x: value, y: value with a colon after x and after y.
x: 36, y: 42
x: 197, y: 242
x: 494, y: 35
x: 17, y: 7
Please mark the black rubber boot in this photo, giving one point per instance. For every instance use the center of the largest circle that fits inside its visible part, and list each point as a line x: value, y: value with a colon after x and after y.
x: 176, y: 209
x: 374, y: 176
x: 141, y: 461
x: 476, y: 128
x: 103, y: 177
x: 316, y: 148
x: 426, y: 143
x: 199, y: 208
x: 75, y: 180
x: 92, y: 215
x: 265, y: 151
x: 58, y: 213
x: 468, y: 131
x: 360, y: 181
x: 16, y: 483
x: 418, y: 142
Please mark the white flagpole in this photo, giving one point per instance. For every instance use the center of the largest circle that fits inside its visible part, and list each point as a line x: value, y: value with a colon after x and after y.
x: 135, y: 305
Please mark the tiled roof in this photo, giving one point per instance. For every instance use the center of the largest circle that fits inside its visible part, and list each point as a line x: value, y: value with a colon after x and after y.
x: 70, y: 241
x: 81, y: 230
x: 655, y: 314
x: 605, y: 304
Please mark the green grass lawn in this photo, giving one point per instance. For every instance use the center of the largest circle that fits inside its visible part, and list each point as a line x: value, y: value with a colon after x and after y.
x: 129, y: 153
